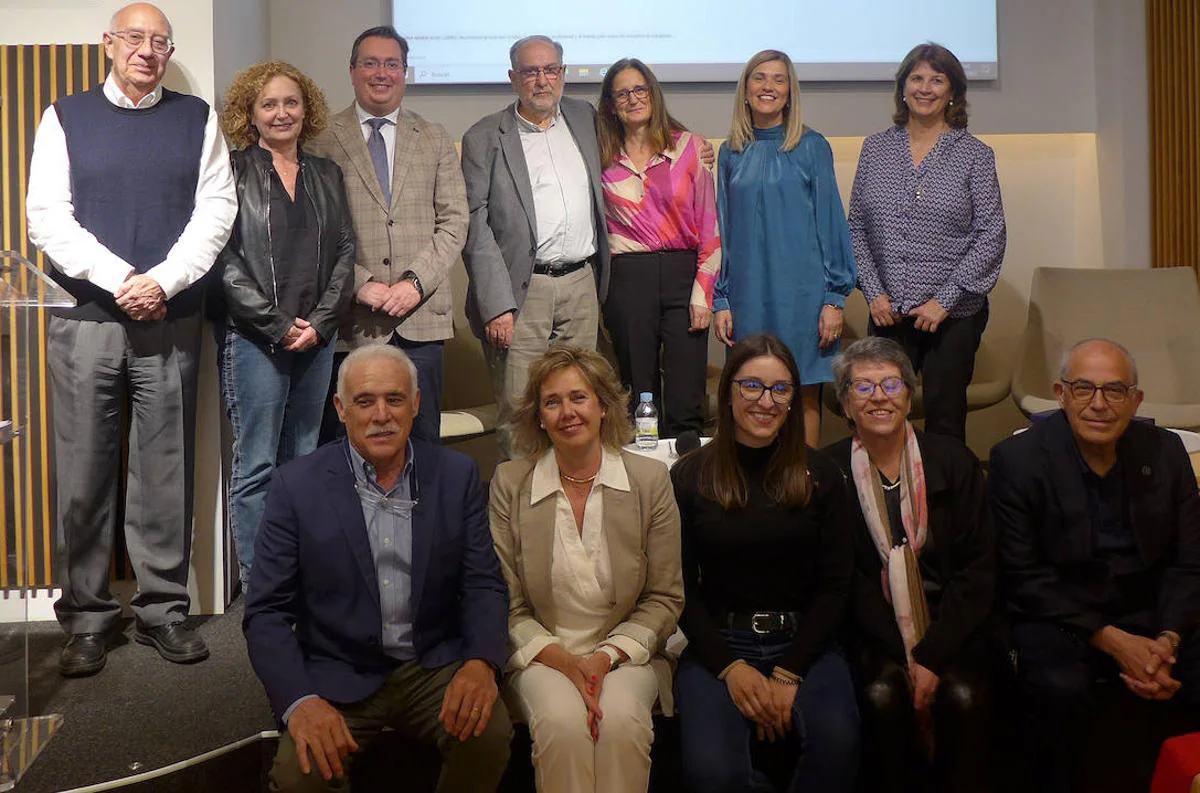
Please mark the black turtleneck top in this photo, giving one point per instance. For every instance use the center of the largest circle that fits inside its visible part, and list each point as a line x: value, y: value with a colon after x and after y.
x: 764, y: 557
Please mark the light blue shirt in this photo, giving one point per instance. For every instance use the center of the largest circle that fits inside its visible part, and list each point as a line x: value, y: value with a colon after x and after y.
x: 388, y: 515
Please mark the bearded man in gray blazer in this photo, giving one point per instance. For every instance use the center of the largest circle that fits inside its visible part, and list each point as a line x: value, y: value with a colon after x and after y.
x: 537, y: 246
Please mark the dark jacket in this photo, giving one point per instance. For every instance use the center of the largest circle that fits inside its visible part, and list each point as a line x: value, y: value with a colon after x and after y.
x: 962, y: 544
x: 246, y: 265
x: 313, y: 617
x: 1049, y: 568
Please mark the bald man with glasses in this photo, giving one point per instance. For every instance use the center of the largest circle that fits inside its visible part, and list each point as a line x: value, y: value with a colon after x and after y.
x: 1098, y: 517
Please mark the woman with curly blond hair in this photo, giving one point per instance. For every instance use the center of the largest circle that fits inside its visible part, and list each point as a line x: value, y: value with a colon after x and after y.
x: 287, y: 278
x: 588, y: 539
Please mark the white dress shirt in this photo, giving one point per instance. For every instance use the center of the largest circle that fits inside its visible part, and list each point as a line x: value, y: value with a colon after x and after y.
x: 388, y: 131
x: 562, y: 192
x: 581, y: 567
x: 76, y: 251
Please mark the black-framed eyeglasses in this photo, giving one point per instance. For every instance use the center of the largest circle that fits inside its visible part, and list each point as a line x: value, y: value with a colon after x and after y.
x: 390, y: 64
x: 752, y: 389
x: 159, y: 45
x: 530, y: 73
x: 1085, y: 390
x: 639, y: 92
x: 865, y: 389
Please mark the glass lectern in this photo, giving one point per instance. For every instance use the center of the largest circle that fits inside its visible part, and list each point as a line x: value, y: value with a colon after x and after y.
x: 27, y: 544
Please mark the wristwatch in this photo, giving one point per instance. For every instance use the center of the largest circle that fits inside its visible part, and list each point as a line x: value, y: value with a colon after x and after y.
x: 415, y: 280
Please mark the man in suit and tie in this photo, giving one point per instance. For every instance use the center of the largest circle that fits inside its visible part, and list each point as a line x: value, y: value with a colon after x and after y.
x: 537, y: 251
x: 1099, y: 525
x: 409, y: 207
x: 376, y: 597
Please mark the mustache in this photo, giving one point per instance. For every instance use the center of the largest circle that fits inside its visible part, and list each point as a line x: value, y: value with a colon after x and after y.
x: 389, y: 428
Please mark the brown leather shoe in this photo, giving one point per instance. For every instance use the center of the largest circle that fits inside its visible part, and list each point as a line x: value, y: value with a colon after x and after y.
x: 174, y: 642
x: 83, y: 655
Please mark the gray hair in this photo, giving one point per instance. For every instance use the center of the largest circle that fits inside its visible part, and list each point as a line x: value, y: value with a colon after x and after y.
x: 872, y: 349
x: 370, y: 352
x: 520, y: 44
x: 1120, y: 348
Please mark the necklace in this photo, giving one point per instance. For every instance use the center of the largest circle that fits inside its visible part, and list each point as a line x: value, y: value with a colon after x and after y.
x: 883, y: 482
x: 585, y: 481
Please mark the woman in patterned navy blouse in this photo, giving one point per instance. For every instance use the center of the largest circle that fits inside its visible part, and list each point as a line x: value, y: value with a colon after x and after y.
x: 927, y: 226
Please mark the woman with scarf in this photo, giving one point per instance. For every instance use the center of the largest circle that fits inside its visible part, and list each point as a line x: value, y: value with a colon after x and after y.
x: 924, y: 582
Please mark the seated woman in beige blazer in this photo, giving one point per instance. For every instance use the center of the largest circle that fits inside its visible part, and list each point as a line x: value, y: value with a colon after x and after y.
x: 588, y: 538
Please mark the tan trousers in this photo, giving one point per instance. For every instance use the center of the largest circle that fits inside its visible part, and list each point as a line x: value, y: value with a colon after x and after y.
x: 409, y: 702
x: 556, y: 310
x: 565, y: 760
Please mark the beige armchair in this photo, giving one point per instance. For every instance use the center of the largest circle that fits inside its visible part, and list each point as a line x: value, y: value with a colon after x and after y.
x: 468, y: 407
x: 1155, y: 313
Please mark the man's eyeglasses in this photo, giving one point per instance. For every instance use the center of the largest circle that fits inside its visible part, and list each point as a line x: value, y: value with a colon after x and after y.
x: 752, y: 389
x: 1114, y: 393
x: 639, y: 92
x: 865, y: 389
x: 530, y: 73
x: 391, y: 64
x: 159, y: 45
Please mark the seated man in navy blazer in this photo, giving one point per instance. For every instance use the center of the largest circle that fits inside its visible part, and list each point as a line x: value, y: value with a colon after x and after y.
x: 376, y: 597
x: 1099, y: 525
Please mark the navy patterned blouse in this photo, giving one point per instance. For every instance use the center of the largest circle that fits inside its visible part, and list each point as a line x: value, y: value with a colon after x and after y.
x: 933, y: 231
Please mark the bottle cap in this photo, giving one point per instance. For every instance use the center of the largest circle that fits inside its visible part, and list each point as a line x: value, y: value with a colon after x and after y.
x: 646, y: 396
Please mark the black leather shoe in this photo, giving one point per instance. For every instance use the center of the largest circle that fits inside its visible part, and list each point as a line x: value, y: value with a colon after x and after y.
x: 174, y: 642
x: 84, y: 655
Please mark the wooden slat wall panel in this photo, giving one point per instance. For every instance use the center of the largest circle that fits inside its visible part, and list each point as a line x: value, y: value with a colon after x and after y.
x: 31, y: 78
x: 1173, y: 51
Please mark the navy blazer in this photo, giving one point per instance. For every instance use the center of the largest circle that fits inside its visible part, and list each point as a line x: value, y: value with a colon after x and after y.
x: 313, y: 622
x: 1049, y: 568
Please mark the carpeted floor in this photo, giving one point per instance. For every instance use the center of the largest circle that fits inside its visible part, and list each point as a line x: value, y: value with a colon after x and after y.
x: 141, y: 712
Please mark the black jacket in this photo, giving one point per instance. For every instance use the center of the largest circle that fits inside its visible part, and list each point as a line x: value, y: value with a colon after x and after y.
x: 247, y: 277
x: 1049, y: 568
x: 962, y: 544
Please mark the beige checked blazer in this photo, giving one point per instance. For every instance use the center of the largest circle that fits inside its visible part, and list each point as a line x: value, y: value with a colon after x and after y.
x: 423, y: 231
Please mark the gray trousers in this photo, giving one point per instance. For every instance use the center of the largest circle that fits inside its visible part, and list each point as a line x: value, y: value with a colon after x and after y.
x: 561, y: 310
x: 94, y: 368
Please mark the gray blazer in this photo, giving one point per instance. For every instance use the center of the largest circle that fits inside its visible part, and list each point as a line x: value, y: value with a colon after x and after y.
x: 502, y: 236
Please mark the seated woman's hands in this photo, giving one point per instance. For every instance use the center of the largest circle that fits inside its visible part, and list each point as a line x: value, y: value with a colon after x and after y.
x: 765, y: 702
x: 584, y: 671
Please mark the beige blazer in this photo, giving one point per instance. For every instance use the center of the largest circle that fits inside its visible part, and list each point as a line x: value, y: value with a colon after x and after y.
x: 642, y: 527
x: 423, y: 230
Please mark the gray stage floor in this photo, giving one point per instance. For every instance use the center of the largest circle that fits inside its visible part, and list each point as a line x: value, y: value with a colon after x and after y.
x: 140, y: 712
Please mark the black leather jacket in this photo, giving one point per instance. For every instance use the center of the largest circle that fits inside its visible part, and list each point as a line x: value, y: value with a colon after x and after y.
x: 246, y: 263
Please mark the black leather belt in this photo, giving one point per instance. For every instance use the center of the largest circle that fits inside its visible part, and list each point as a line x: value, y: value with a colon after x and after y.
x: 763, y: 622
x: 556, y: 269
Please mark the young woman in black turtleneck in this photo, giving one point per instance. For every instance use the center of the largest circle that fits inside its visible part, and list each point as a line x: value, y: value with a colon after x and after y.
x: 767, y: 565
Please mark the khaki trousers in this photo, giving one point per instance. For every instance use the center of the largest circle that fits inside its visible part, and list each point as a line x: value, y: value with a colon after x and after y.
x: 565, y: 759
x: 409, y: 702
x: 561, y: 310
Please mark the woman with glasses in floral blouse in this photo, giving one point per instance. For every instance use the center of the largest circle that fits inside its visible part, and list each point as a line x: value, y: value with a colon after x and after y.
x: 660, y: 206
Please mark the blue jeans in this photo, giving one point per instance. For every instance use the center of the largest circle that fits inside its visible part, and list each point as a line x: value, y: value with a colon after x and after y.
x: 274, y: 401
x: 716, y: 737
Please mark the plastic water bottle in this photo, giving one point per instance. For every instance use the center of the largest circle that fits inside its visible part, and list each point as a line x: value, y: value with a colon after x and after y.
x: 645, y: 420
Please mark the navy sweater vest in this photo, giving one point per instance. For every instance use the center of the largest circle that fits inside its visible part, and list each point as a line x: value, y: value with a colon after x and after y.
x: 133, y: 186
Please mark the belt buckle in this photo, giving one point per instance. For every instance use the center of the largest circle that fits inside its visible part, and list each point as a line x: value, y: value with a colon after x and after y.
x: 769, y: 618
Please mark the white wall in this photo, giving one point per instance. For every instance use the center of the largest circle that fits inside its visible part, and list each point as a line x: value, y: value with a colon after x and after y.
x: 241, y: 37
